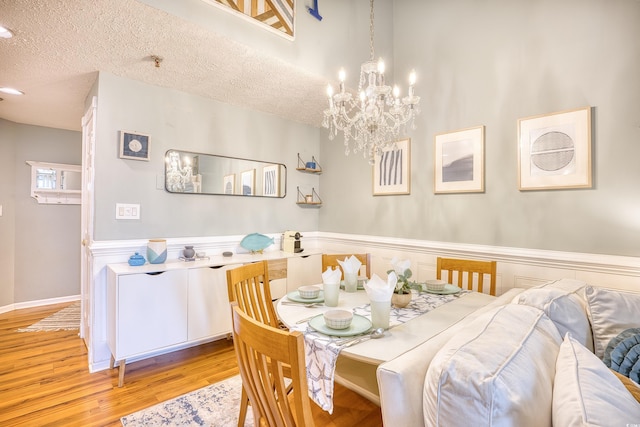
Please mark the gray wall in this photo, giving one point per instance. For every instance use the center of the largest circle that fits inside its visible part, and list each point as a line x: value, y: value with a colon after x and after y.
x: 7, y: 200
x: 42, y: 241
x: 478, y: 63
x: 491, y: 63
x: 187, y: 122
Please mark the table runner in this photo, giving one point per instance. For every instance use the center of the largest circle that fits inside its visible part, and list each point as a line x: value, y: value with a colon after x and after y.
x: 321, y: 351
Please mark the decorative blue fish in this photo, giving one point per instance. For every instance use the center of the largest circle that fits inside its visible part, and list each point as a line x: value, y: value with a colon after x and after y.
x: 256, y: 242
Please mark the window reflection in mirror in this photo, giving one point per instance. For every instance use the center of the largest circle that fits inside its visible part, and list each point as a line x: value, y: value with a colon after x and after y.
x: 199, y: 173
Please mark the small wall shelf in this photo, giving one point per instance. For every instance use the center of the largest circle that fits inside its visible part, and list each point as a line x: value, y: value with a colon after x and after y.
x: 56, y: 183
x: 312, y: 200
x: 302, y: 165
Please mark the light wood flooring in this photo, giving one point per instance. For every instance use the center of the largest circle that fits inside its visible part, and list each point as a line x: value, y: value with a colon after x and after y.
x: 45, y: 381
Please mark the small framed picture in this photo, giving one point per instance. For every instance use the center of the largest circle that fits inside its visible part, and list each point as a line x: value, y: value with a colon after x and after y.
x: 229, y: 184
x: 554, y: 151
x: 392, y: 170
x: 459, y: 161
x: 248, y: 181
x: 271, y: 181
x: 134, y: 146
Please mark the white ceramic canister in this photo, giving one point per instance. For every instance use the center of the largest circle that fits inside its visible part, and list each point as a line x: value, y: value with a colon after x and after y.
x: 157, y: 251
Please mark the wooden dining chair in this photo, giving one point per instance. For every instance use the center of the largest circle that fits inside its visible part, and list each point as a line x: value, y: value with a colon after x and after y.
x: 472, y: 268
x: 331, y: 260
x: 262, y: 352
x: 248, y: 287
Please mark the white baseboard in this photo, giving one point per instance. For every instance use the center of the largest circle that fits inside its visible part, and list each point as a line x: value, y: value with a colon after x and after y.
x: 39, y: 303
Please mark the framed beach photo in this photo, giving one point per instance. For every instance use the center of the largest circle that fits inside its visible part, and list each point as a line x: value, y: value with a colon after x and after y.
x: 554, y: 150
x: 134, y: 145
x: 247, y: 182
x: 229, y: 184
x: 271, y: 181
x: 392, y: 170
x: 459, y: 161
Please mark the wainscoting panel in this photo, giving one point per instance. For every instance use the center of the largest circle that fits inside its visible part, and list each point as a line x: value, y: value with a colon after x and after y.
x: 517, y: 267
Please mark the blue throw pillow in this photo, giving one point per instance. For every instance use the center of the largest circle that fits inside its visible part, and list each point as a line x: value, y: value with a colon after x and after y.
x: 623, y: 354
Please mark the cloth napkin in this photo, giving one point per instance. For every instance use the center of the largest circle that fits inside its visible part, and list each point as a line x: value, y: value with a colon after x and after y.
x: 350, y: 265
x: 378, y: 290
x: 331, y: 276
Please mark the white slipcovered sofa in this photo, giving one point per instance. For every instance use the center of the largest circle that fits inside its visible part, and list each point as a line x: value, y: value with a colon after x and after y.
x: 532, y: 361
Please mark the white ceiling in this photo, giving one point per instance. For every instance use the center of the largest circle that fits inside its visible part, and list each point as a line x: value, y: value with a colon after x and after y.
x: 59, y: 46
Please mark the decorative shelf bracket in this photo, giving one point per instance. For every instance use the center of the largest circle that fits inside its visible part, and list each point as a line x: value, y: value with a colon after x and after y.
x: 310, y: 167
x: 309, y: 200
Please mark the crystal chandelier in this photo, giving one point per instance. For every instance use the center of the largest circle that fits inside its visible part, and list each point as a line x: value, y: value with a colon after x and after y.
x: 375, y: 120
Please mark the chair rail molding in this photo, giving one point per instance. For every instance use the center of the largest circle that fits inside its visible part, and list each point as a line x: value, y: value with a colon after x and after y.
x: 517, y: 267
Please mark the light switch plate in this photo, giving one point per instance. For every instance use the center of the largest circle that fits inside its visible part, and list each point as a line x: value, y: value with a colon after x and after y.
x: 127, y: 211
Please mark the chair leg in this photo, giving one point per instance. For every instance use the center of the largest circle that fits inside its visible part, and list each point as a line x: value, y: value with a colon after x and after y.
x: 244, y: 404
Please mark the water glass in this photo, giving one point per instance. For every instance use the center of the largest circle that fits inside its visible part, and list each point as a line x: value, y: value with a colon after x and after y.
x: 351, y: 282
x: 380, y: 311
x: 331, y: 294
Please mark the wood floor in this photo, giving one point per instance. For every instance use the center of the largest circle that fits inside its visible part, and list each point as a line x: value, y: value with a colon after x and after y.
x: 45, y: 381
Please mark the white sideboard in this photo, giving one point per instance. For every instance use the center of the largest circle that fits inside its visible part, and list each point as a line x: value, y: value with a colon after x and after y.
x: 157, y: 308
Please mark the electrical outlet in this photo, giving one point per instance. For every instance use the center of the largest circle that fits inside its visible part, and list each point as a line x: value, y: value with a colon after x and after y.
x: 127, y: 211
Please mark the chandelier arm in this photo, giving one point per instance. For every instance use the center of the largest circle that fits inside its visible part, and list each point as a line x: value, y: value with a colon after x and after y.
x: 371, y: 122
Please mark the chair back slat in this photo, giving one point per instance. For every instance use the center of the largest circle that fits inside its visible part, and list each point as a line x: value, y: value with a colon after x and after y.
x: 249, y: 286
x: 264, y: 354
x: 474, y: 271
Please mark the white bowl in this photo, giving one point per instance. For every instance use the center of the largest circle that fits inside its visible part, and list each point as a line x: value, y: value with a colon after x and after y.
x: 338, y: 319
x: 435, y: 285
x: 309, y: 291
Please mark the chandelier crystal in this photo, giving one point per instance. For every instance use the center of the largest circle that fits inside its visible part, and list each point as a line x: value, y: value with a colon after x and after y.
x: 373, y: 121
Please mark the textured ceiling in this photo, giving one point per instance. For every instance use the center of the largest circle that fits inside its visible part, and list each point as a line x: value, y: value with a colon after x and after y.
x: 60, y: 45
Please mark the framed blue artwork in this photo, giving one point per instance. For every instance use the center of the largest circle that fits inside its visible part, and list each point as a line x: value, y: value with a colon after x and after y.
x: 134, y: 146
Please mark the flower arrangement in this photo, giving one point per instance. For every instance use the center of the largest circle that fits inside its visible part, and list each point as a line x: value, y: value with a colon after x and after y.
x: 402, y: 270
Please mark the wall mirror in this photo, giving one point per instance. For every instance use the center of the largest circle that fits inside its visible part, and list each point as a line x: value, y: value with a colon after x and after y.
x: 199, y: 173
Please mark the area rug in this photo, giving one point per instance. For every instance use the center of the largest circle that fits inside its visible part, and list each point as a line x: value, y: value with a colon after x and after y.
x: 66, y: 319
x: 215, y: 405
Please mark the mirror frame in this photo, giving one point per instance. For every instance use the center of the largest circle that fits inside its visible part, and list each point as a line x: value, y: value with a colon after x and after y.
x: 239, y: 174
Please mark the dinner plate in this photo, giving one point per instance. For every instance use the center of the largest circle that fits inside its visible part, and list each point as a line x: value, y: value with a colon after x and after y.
x: 295, y: 296
x: 359, y: 325
x: 448, y: 290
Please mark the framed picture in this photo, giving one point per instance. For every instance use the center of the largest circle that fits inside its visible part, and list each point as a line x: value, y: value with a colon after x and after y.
x: 271, y: 181
x: 248, y: 180
x: 392, y: 170
x: 276, y: 16
x: 229, y: 184
x: 459, y: 161
x: 134, y: 146
x: 554, y: 150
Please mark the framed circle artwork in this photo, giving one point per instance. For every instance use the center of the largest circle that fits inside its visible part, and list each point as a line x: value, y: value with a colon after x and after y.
x: 134, y: 146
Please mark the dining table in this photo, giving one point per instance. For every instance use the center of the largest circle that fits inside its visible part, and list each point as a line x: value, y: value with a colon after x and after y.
x: 353, y: 363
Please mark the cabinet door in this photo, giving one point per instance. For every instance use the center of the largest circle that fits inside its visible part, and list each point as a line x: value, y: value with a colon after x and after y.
x: 303, y: 270
x: 151, y: 312
x: 209, y: 310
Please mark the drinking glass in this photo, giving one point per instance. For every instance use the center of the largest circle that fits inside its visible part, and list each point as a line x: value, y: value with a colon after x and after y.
x: 351, y: 282
x: 331, y: 294
x: 380, y: 311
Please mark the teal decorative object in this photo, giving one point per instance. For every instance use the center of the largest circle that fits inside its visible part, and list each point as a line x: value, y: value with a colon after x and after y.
x: 256, y: 242
x: 136, y: 259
